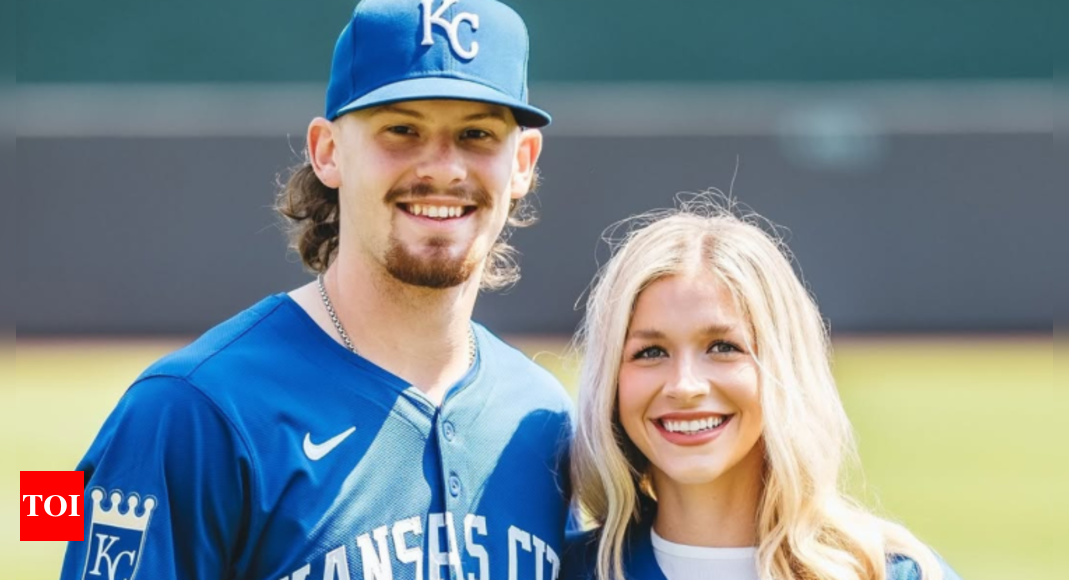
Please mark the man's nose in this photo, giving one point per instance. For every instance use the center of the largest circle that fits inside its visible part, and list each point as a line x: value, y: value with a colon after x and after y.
x: 442, y: 163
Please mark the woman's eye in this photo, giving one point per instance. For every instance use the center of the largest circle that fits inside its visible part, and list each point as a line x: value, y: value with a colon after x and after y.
x: 650, y: 352
x: 723, y: 347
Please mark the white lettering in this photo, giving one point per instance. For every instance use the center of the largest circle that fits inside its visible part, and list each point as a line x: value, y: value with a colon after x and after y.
x: 405, y: 554
x: 102, y: 554
x: 102, y: 551
x: 376, y: 565
x: 473, y: 523
x: 435, y: 556
x: 74, y: 505
x: 554, y: 561
x: 299, y: 574
x: 451, y: 27
x: 540, y: 554
x: 62, y: 502
x: 337, y: 566
x: 430, y: 19
x: 517, y: 536
x: 454, y: 546
x: 430, y: 546
x: 33, y: 503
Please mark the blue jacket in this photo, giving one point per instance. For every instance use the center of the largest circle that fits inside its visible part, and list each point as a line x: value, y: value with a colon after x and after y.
x: 581, y: 556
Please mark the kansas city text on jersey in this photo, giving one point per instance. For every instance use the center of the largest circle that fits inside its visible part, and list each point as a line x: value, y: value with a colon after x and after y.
x: 412, y: 548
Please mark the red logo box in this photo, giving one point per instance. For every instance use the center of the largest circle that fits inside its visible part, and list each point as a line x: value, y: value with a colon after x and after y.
x: 53, y: 506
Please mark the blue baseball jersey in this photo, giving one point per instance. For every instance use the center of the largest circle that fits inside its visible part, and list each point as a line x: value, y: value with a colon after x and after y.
x: 640, y: 562
x: 267, y: 451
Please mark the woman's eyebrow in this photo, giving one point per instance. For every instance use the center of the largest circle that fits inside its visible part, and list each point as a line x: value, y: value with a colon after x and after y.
x: 645, y: 333
x: 716, y: 329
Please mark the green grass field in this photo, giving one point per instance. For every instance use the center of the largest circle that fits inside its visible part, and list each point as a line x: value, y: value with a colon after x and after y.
x: 957, y: 437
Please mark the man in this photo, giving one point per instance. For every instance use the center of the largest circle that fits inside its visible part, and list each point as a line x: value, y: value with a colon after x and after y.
x: 361, y: 426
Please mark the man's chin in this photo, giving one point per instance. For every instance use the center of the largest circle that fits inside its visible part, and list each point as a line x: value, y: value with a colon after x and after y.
x: 435, y: 272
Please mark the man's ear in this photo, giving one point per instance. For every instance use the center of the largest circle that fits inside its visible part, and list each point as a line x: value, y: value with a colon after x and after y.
x: 322, y: 145
x: 523, y: 166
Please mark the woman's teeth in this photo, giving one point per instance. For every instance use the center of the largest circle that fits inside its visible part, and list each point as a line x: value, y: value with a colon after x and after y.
x: 693, y: 426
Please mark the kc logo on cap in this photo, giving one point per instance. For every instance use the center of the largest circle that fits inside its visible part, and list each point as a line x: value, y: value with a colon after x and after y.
x: 409, y: 50
x: 450, y: 26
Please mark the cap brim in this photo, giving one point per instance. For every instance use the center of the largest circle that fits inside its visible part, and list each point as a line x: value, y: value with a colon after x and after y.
x: 447, y: 88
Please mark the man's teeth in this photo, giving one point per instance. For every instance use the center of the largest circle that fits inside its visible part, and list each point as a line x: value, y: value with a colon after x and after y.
x: 694, y: 426
x: 435, y: 211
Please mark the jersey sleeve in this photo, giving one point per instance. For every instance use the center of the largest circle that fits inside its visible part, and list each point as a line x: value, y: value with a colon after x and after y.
x: 948, y: 572
x: 901, y: 567
x: 167, y: 490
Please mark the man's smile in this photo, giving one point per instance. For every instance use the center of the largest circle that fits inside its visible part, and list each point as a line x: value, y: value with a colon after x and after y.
x: 437, y: 210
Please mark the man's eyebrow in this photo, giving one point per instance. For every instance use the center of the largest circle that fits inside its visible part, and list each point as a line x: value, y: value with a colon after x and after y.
x: 496, y: 113
x: 397, y: 110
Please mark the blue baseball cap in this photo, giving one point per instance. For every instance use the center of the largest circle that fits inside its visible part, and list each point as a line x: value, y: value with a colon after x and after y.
x: 405, y: 50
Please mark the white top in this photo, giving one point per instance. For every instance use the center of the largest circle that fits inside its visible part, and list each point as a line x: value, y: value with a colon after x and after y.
x: 682, y: 562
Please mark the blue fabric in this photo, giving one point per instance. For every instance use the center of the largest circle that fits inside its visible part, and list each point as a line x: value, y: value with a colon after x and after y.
x: 640, y: 563
x: 212, y: 437
x: 901, y: 567
x: 399, y: 50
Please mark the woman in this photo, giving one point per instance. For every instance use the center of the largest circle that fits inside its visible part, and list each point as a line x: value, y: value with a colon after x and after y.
x: 711, y: 435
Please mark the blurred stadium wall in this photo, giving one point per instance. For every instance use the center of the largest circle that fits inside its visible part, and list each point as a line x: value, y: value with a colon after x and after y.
x: 907, y: 145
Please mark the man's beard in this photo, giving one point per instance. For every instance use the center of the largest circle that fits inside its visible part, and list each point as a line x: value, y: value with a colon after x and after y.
x: 437, y: 271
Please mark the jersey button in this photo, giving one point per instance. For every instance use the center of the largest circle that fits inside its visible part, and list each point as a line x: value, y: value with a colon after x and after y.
x: 454, y: 485
x: 449, y: 431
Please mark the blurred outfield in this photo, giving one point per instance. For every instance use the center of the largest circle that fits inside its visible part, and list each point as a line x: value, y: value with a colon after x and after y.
x: 957, y: 437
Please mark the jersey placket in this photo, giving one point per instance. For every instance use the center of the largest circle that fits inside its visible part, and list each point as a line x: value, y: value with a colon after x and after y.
x: 455, y: 499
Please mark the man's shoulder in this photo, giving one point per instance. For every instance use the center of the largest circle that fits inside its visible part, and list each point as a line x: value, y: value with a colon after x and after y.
x: 505, y: 361
x: 215, y: 345
x: 245, y: 353
x: 229, y: 372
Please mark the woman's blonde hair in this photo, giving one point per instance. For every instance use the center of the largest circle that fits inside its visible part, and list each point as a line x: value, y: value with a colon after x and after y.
x: 808, y: 529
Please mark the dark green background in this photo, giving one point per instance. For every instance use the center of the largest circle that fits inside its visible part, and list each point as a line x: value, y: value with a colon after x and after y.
x: 573, y: 40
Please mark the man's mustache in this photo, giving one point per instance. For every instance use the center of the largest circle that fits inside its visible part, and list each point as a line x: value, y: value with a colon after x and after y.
x: 469, y: 195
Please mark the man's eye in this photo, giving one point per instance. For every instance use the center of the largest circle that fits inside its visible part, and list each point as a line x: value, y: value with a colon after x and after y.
x: 475, y: 134
x: 401, y: 130
x: 650, y: 352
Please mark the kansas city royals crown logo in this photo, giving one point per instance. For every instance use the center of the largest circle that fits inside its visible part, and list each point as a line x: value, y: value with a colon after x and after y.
x: 116, y: 538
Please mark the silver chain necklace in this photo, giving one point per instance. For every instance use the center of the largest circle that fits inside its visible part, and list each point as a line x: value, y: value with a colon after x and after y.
x: 345, y: 335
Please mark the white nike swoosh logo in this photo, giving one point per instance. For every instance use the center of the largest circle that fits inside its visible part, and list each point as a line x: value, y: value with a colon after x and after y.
x: 315, y: 452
